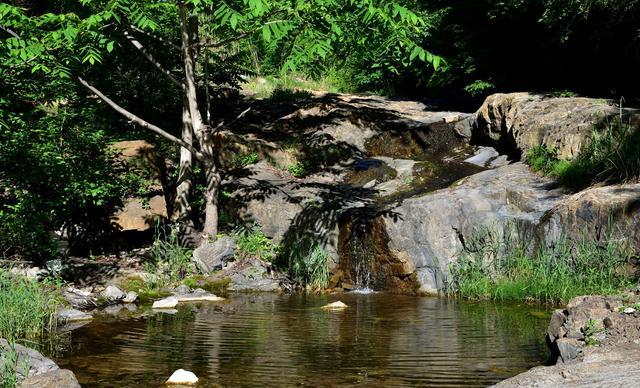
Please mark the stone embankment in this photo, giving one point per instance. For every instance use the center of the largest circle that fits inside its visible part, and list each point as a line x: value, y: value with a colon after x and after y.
x: 596, y: 341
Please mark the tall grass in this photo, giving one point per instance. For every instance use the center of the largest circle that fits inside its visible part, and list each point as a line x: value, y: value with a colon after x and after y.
x: 611, y: 155
x: 169, y: 261
x: 287, y: 88
x: 27, y: 308
x: 309, y: 267
x: 507, y: 271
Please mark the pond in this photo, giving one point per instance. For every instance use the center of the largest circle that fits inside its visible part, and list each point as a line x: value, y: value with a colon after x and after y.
x: 381, y: 340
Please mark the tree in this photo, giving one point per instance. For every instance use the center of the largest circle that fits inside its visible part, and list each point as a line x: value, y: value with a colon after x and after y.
x: 68, y: 44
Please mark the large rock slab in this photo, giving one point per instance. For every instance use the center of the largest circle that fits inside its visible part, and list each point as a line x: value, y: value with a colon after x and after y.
x: 524, y: 120
x: 429, y: 232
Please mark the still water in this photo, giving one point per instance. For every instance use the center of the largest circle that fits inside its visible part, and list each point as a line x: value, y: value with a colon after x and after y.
x: 381, y: 340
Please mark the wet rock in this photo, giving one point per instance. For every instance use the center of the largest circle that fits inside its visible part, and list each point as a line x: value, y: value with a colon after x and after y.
x: 72, y: 315
x: 130, y: 297
x: 60, y: 378
x: 166, y: 303
x: 212, y: 256
x: 335, y: 306
x: 182, y: 377
x: 526, y: 120
x: 29, y: 362
x: 182, y: 289
x: 113, y: 294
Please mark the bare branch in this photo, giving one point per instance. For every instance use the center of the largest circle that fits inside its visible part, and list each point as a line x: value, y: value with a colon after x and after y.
x: 136, y: 43
x: 153, y: 36
x: 222, y: 124
x: 10, y: 32
x: 130, y: 116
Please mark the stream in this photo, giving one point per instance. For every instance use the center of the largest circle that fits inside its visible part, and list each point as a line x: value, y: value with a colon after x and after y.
x: 259, y: 340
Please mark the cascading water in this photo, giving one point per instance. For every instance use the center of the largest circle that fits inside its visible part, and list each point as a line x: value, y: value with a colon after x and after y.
x: 361, y: 255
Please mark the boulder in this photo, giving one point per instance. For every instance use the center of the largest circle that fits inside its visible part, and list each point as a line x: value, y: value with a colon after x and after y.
x: 527, y: 120
x: 212, y: 256
x: 60, y: 378
x: 182, y: 377
x: 28, y: 362
x: 113, y: 294
x: 166, y: 303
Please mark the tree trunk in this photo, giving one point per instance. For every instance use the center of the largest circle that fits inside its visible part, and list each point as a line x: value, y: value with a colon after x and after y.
x: 184, y: 184
x: 201, y: 131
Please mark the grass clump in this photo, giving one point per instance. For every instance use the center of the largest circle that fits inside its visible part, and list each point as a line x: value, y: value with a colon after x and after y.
x: 493, y: 270
x: 287, y: 88
x: 252, y: 242
x: 27, y: 308
x: 611, y: 155
x: 309, y: 267
x: 217, y: 286
x: 169, y: 261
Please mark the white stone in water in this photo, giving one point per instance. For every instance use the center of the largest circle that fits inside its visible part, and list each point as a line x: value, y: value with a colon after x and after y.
x: 335, y: 306
x: 198, y: 297
x: 629, y: 310
x: 131, y: 297
x: 166, y: 303
x: 182, y: 377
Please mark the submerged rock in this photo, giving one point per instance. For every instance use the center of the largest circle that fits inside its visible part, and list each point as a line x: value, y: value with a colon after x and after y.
x: 182, y: 377
x: 166, y: 303
x: 335, y: 306
x: 212, y: 256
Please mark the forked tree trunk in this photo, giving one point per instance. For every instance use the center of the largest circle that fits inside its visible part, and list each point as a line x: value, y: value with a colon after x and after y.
x: 201, y: 131
x: 185, y: 182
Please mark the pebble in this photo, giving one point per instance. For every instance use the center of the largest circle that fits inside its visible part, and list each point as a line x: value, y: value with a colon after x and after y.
x: 629, y: 310
x: 182, y: 377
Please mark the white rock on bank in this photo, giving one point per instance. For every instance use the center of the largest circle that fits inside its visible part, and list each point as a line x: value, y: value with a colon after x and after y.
x: 198, y: 296
x: 629, y: 310
x: 335, y: 306
x: 182, y: 377
x: 166, y: 303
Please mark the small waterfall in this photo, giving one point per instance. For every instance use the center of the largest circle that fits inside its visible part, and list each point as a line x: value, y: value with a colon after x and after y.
x: 361, y: 256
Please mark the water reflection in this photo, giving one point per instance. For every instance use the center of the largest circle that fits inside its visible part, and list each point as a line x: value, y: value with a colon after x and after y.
x: 269, y: 340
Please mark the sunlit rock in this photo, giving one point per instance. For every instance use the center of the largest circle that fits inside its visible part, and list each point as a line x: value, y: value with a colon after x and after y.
x: 335, y: 306
x: 182, y: 377
x: 166, y: 303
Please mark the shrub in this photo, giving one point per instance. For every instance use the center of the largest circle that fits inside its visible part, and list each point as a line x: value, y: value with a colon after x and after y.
x: 507, y: 271
x: 252, y: 242
x: 308, y: 266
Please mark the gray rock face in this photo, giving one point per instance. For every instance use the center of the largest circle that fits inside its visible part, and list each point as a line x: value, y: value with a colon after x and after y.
x: 528, y: 120
x: 60, y: 378
x: 210, y: 257
x: 430, y: 231
x: 36, y: 363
